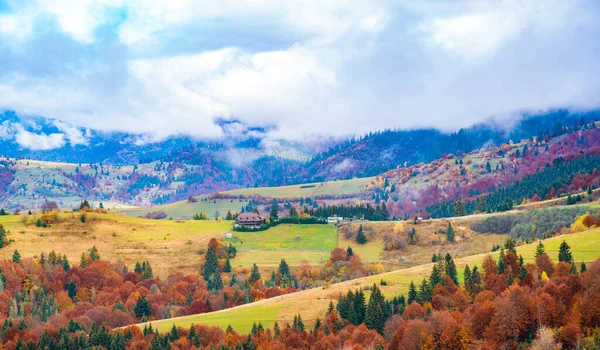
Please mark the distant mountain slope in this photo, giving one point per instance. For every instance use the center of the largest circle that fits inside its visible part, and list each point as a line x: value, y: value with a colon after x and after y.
x: 127, y: 169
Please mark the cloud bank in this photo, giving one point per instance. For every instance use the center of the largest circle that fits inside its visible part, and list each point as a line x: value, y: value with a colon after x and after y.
x: 303, y: 69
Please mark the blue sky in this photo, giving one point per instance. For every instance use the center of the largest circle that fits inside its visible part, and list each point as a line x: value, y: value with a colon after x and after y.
x: 304, y: 68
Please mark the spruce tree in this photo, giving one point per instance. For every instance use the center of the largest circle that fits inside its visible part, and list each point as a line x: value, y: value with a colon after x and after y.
x: 501, y: 265
x: 425, y: 292
x: 583, y: 267
x: 274, y: 215
x: 16, y: 257
x: 227, y: 267
x: 451, y: 269
x: 2, y: 236
x: 468, y: 279
x: 142, y: 307
x: 436, y: 276
x: 450, y: 233
x: 459, y: 208
x: 284, y: 269
x: 375, y: 315
x: 94, y: 254
x: 564, y: 253
x: 360, y: 306
x: 360, y: 236
x: 349, y: 251
x: 211, y: 264
x: 254, y: 275
x: 412, y: 293
x: 72, y: 289
x: 540, y: 249
x: 83, y: 263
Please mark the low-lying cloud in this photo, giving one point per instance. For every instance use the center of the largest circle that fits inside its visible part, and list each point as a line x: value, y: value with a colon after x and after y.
x: 305, y: 70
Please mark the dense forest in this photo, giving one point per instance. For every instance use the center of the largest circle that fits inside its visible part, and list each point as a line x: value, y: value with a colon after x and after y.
x: 549, y: 182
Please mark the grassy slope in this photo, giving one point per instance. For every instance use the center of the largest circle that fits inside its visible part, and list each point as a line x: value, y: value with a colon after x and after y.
x: 183, y: 209
x: 169, y: 245
x: 307, y: 190
x: 313, y: 303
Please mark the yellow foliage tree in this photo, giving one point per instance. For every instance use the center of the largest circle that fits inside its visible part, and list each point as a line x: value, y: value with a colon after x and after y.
x: 545, y: 276
x: 578, y: 225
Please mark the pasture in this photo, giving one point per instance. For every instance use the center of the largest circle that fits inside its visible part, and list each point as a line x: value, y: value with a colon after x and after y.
x: 307, y: 190
x: 313, y: 303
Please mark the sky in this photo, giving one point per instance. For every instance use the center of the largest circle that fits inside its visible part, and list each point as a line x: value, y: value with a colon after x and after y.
x: 303, y: 69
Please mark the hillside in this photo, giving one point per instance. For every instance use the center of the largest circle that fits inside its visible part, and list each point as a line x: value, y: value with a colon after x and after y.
x: 142, y: 172
x: 313, y: 303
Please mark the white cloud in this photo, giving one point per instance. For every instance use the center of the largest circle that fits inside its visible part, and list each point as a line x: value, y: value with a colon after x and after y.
x: 42, y: 141
x: 72, y: 133
x: 320, y: 68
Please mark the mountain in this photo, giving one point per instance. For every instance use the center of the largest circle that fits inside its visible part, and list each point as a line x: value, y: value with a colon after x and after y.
x: 52, y: 160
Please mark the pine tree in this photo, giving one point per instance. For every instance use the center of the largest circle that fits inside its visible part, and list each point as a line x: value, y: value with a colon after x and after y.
x: 359, y: 306
x: 2, y: 236
x: 436, y: 276
x: 254, y: 275
x: 468, y: 279
x: 510, y: 246
x: 349, y: 251
x: 72, y: 289
x: 375, y: 315
x: 274, y: 215
x: 211, y: 264
x: 539, y: 250
x: 16, y: 257
x: 38, y: 222
x: 501, y: 265
x: 583, y: 267
x: 94, y: 254
x: 450, y: 233
x: 360, y: 236
x: 284, y: 269
x: 83, y: 263
x: 425, y: 292
x: 194, y: 337
x: 227, y: 267
x: 142, y: 307
x: 451, y: 269
x: 412, y: 293
x: 331, y: 307
x: 459, y: 208
x: 564, y: 253
x: 82, y: 218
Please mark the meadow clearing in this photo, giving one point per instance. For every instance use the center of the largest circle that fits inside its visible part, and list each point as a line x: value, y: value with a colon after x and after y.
x: 313, y: 303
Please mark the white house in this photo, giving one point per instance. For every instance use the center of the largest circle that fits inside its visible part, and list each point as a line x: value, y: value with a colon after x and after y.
x: 335, y: 219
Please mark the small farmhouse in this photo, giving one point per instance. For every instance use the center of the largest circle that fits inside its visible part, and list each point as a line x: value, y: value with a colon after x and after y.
x: 249, y: 219
x: 335, y: 219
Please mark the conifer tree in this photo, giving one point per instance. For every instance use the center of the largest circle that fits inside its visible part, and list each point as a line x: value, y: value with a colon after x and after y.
x: 540, y: 249
x: 583, y: 267
x: 72, y: 289
x: 360, y: 306
x: 436, y: 275
x: 227, y: 267
x: 2, y: 236
x: 425, y: 292
x: 94, y: 254
x: 254, y: 275
x: 450, y: 233
x: 211, y: 264
x: 564, y: 253
x: 375, y: 315
x: 451, y: 269
x: 83, y: 263
x: 501, y: 265
x: 360, y: 236
x: 412, y: 293
x: 349, y: 251
x: 16, y: 257
x: 274, y: 214
x: 459, y: 208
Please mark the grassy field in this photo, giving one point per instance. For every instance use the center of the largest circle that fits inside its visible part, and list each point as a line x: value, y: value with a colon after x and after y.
x: 283, y: 237
x: 185, y: 210
x: 169, y: 245
x: 219, y: 207
x: 313, y: 303
x: 307, y: 190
